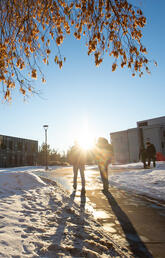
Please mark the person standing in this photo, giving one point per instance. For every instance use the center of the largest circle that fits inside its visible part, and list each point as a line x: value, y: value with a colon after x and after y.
x: 151, y: 153
x: 143, y: 156
x: 103, y: 156
x: 77, y: 159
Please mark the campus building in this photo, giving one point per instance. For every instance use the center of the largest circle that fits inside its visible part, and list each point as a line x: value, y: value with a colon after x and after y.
x: 17, y: 151
x: 126, y: 144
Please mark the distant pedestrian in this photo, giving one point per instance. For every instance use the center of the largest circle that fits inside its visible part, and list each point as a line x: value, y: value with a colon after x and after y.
x: 151, y: 153
x: 103, y: 158
x: 77, y: 158
x: 143, y: 156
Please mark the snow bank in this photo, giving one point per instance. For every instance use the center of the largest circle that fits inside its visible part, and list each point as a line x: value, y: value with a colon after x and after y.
x: 28, y: 168
x: 126, y: 166
x: 19, y: 181
x: 149, y: 182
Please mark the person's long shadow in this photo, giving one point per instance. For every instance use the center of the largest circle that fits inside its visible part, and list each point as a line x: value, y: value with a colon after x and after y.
x: 136, y: 245
x: 82, y: 203
x: 80, y: 226
x: 64, y: 216
x: 75, y: 218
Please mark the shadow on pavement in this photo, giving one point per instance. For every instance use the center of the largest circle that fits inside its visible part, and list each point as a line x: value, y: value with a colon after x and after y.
x: 136, y: 245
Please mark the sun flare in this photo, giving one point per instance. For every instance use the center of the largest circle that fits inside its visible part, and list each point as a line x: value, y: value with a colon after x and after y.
x: 85, y: 142
x: 85, y: 137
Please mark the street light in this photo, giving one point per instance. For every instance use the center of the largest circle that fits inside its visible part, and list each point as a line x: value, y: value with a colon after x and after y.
x: 46, y: 128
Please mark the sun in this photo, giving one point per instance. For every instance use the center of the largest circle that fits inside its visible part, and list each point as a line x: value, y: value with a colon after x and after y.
x: 85, y: 141
x: 84, y: 135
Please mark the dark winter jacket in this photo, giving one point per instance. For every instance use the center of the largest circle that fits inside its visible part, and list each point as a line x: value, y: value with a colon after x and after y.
x: 77, y: 156
x: 142, y: 154
x: 151, y: 151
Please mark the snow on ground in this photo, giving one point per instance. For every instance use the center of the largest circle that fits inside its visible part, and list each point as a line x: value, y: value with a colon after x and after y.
x: 29, y: 168
x: 149, y: 182
x: 38, y: 219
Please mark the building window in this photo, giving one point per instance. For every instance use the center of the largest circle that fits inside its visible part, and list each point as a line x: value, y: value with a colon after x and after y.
x: 33, y: 147
x: 3, y: 146
x: 26, y: 146
x: 143, y: 124
x: 20, y: 146
x: 10, y: 145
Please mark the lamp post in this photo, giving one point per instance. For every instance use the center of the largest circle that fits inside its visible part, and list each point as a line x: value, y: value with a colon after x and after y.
x: 46, y: 128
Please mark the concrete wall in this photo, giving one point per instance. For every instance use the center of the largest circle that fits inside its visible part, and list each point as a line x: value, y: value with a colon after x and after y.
x: 154, y: 121
x: 133, y: 142
x: 154, y: 135
x: 125, y: 145
x: 120, y: 146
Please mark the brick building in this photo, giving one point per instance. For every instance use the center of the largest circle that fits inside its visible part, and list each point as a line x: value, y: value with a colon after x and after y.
x: 16, y: 151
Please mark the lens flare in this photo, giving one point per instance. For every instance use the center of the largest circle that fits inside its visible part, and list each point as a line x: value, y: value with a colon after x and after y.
x: 85, y: 141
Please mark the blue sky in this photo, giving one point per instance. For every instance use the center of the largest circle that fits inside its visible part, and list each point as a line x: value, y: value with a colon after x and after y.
x: 82, y: 94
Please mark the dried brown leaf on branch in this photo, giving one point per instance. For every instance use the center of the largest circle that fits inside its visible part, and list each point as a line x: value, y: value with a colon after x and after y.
x: 27, y: 28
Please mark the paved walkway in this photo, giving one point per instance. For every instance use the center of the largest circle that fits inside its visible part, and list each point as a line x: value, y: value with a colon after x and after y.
x: 133, y: 220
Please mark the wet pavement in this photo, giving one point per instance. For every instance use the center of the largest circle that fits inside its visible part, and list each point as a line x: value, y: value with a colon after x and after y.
x: 132, y: 220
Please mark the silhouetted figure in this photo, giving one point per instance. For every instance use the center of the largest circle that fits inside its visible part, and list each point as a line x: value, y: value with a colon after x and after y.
x: 103, y: 156
x: 143, y: 156
x: 151, y: 153
x: 77, y: 158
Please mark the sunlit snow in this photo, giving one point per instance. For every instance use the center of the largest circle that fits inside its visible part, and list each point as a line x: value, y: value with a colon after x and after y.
x: 149, y: 182
x: 39, y: 219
